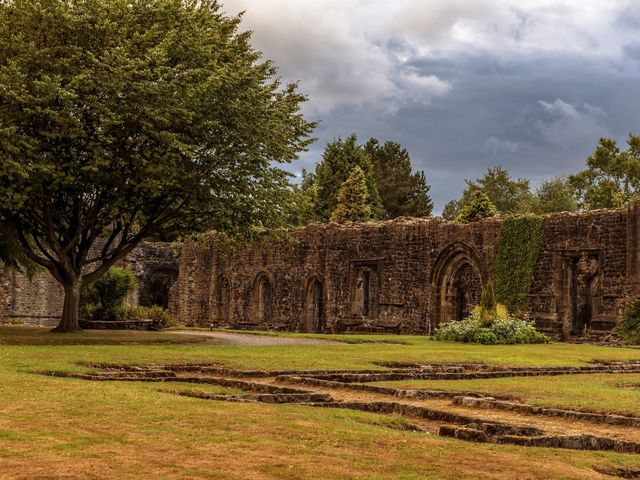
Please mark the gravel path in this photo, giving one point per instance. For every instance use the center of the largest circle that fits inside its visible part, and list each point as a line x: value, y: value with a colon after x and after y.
x: 228, y: 338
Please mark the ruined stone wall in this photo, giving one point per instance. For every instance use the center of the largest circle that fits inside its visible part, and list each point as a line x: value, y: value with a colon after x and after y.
x: 404, y: 276
x: 396, y: 260
x: 39, y: 300
x: 582, y: 252
x: 410, y: 275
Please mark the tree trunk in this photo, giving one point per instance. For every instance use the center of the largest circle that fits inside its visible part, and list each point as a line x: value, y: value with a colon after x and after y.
x: 71, y: 310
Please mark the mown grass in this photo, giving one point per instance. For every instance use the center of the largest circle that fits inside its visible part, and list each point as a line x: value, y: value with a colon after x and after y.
x: 60, y: 427
x: 586, y: 392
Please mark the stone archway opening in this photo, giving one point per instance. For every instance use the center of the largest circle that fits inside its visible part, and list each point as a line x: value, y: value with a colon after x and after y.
x: 262, y: 299
x: 457, y: 281
x: 314, y: 315
x: 223, y: 299
x: 157, y: 286
x: 465, y: 290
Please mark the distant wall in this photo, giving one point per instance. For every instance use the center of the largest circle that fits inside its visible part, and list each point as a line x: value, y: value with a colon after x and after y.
x: 39, y: 300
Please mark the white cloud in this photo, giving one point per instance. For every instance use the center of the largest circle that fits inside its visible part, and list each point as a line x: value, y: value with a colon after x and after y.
x: 567, y: 125
x: 424, y: 87
x: 507, y: 27
x: 334, y: 49
x: 496, y: 146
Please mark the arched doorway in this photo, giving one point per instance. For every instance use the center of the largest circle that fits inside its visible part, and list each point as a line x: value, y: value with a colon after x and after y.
x: 262, y: 299
x: 223, y: 298
x: 314, y: 315
x: 466, y: 290
x: 155, y: 290
x: 456, y: 282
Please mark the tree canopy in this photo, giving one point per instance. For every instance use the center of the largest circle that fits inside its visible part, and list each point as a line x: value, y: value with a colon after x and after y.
x: 554, y: 195
x: 402, y: 192
x: 507, y: 194
x: 120, y: 120
x: 338, y: 161
x: 612, y: 176
x: 478, y: 208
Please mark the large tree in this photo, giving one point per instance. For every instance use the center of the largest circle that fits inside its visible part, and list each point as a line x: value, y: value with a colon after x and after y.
x: 402, y: 192
x: 509, y: 195
x: 338, y: 161
x: 612, y: 176
x: 554, y: 195
x: 122, y: 119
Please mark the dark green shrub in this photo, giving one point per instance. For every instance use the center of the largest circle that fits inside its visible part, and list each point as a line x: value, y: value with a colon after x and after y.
x: 629, y: 328
x: 101, y: 299
x: 137, y: 312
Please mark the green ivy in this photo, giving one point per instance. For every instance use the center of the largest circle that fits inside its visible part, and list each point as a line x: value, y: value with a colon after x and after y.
x: 518, y: 250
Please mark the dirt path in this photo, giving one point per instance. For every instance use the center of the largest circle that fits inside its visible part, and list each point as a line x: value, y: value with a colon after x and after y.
x: 228, y: 338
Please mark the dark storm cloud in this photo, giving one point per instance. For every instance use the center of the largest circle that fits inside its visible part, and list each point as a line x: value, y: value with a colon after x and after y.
x: 539, y: 117
x: 528, y: 84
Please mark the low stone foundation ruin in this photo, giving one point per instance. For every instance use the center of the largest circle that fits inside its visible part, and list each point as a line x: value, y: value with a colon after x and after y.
x: 410, y: 276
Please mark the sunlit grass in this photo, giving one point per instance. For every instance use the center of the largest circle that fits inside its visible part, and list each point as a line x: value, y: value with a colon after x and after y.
x: 62, y: 427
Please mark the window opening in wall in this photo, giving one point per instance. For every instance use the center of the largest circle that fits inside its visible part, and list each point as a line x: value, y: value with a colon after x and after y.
x: 224, y: 294
x: 264, y: 300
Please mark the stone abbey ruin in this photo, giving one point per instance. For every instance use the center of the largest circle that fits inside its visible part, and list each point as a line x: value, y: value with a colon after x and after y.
x: 402, y: 276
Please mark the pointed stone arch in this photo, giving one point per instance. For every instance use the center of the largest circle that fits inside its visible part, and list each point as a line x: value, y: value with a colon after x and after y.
x: 314, y: 319
x: 156, y: 286
x: 223, y: 300
x: 263, y: 299
x: 457, y: 279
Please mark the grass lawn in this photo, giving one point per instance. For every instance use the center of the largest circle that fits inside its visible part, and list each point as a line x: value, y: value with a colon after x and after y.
x: 61, y: 427
x: 591, y: 392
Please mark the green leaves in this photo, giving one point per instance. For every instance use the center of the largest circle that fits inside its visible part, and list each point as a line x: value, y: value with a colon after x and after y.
x: 338, y: 161
x: 402, y: 192
x: 508, y: 195
x: 479, y: 207
x: 518, y: 250
x: 393, y: 190
x: 138, y: 118
x: 612, y: 176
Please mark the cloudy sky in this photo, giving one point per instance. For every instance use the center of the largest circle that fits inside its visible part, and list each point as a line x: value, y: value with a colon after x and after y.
x: 462, y: 84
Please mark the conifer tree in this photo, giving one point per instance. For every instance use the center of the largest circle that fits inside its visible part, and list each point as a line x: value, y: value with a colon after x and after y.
x: 353, y: 199
x: 478, y: 208
x: 338, y: 160
x: 402, y: 192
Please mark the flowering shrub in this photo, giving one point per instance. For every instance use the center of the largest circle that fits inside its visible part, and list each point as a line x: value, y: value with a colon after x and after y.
x: 503, y: 330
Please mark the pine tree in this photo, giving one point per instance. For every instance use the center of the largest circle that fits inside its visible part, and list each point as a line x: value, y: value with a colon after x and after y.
x: 338, y: 161
x: 353, y: 199
x: 402, y: 193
